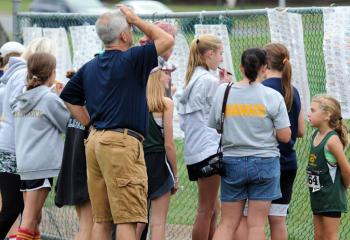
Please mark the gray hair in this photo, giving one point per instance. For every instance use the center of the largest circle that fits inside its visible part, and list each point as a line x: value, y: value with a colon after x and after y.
x: 110, y: 25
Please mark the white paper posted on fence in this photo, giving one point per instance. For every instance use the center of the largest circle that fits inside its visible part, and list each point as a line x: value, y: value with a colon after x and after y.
x: 64, y: 63
x: 84, y: 48
x: 287, y: 28
x: 179, y: 58
x: 336, y: 49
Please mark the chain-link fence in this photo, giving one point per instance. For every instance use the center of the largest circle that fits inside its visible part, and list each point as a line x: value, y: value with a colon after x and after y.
x: 246, y: 28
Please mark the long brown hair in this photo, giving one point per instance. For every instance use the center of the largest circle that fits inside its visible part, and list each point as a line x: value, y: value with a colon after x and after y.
x: 278, y: 59
x: 332, y: 106
x: 199, y: 47
x: 40, y: 67
x: 155, y: 92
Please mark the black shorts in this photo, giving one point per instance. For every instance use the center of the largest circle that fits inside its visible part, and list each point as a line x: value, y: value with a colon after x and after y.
x: 279, y: 207
x: 32, y: 185
x: 329, y: 214
x: 195, y: 170
x: 160, y: 176
x: 71, y: 185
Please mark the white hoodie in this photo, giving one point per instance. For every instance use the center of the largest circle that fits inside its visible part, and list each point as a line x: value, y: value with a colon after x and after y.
x: 40, y: 120
x: 13, y: 82
x: 193, y: 109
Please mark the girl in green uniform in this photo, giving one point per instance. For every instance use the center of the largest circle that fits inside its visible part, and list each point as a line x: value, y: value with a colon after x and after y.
x: 328, y: 170
x: 160, y: 153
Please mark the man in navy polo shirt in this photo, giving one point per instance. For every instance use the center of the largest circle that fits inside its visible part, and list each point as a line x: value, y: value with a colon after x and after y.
x: 113, y: 88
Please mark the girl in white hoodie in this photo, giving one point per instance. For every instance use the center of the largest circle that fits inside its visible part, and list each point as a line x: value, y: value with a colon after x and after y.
x: 40, y: 120
x: 201, y: 141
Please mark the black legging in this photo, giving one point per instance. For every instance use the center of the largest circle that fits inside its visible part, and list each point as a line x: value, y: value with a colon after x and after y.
x: 12, y: 201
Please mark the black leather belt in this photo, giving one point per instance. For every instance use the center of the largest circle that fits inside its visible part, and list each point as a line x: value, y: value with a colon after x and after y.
x: 131, y: 133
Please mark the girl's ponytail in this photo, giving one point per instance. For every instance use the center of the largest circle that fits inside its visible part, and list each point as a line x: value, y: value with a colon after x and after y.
x: 287, y: 87
x: 278, y: 60
x: 194, y: 59
x: 33, y: 82
x: 342, y: 132
x: 199, y: 47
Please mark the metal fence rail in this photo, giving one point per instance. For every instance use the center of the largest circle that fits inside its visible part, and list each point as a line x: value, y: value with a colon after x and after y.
x: 247, y: 28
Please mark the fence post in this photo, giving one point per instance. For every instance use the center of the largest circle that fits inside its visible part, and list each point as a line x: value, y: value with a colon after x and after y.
x: 15, y: 9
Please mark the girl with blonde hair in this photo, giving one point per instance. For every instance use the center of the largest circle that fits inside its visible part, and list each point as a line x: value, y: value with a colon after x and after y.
x: 328, y: 169
x: 202, y: 142
x: 160, y: 153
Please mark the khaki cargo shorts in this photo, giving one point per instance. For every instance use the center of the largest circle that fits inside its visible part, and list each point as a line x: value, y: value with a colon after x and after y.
x: 117, y: 177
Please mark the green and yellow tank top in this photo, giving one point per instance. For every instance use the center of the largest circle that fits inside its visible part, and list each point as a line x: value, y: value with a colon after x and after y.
x: 327, y: 192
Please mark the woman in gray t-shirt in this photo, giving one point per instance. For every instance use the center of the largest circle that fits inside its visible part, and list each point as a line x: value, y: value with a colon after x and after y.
x: 255, y: 118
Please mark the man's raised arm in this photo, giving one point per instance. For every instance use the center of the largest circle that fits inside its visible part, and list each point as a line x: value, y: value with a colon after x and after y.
x: 162, y: 40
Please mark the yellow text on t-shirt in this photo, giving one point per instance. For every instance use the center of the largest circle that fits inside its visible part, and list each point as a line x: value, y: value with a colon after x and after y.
x: 245, y: 110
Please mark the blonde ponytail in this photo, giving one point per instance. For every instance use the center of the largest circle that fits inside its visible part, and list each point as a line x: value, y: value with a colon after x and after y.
x: 343, y: 133
x: 199, y: 47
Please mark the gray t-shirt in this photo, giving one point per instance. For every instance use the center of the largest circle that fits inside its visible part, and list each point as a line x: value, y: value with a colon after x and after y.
x: 253, y: 112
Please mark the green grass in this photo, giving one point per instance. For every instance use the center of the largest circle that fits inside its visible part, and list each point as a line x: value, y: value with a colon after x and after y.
x: 6, y: 6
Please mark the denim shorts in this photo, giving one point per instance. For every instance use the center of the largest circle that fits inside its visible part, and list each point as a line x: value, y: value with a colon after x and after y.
x: 253, y: 178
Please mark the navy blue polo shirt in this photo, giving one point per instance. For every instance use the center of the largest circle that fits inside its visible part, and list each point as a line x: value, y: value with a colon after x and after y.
x: 113, y: 88
x: 288, y: 156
